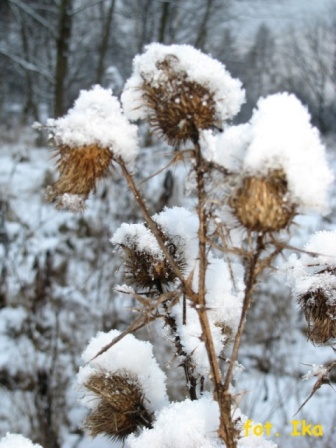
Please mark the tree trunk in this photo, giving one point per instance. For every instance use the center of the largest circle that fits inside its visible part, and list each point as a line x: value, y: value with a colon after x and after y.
x: 103, y: 47
x: 62, y: 55
x: 202, y: 31
x: 163, y: 21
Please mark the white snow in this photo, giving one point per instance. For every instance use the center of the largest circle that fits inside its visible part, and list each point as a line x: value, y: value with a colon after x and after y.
x: 181, y: 223
x: 72, y: 202
x: 305, y: 273
x: 96, y: 118
x: 224, y: 303
x: 17, y: 441
x: 188, y: 424
x: 323, y: 245
x: 138, y: 235
x: 199, y: 67
x: 317, y: 371
x: 255, y: 442
x: 129, y: 355
x: 227, y: 148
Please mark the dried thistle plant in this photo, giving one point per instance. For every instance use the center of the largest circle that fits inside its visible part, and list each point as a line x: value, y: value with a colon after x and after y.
x: 121, y: 410
x: 79, y: 168
x: 320, y: 311
x: 152, y: 271
x: 180, y: 108
x: 260, y: 203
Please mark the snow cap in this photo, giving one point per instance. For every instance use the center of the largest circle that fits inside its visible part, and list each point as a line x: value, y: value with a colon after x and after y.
x: 195, y: 66
x: 96, y: 119
x: 128, y: 355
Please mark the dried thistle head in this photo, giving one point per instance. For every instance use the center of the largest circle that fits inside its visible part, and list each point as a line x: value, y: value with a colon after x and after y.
x: 152, y: 271
x: 260, y: 203
x: 92, y: 133
x: 319, y: 308
x: 121, y: 410
x: 179, y: 108
x: 79, y: 170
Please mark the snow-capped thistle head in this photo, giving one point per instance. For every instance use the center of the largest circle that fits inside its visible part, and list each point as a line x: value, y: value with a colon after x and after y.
x: 145, y: 264
x: 121, y: 410
x: 180, y: 91
x: 260, y: 203
x: 279, y: 154
x: 88, y: 138
x: 79, y: 170
x: 131, y: 363
x: 282, y: 138
x: 314, y: 286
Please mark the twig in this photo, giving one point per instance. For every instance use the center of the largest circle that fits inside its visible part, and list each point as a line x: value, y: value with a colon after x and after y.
x: 322, y: 379
x: 142, y: 320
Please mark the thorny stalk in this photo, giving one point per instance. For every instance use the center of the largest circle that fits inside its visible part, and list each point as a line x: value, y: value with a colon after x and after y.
x: 154, y: 228
x: 187, y: 363
x: 201, y: 302
x: 226, y: 428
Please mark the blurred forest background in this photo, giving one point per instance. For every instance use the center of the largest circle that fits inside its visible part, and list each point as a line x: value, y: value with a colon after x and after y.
x: 58, y: 271
x: 50, y: 49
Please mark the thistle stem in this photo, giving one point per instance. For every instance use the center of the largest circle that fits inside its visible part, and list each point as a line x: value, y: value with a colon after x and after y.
x: 251, y: 277
x: 201, y: 301
x: 187, y: 363
x: 154, y: 229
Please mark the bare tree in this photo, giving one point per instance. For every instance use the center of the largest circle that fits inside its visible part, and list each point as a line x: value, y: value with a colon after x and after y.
x: 309, y: 68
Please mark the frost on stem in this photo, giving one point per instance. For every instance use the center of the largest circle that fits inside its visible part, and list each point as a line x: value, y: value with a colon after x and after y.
x: 314, y: 286
x: 92, y: 135
x: 180, y: 91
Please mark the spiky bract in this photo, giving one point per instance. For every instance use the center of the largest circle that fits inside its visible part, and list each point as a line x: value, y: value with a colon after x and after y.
x: 260, y: 203
x: 121, y: 410
x: 179, y: 108
x: 319, y: 307
x: 152, y: 271
x: 79, y: 170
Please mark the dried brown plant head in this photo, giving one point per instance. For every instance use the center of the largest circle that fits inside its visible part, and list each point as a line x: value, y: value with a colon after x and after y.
x: 260, y: 203
x: 121, y: 410
x: 320, y: 312
x: 152, y: 272
x: 79, y: 170
x: 179, y: 107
